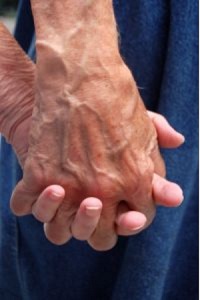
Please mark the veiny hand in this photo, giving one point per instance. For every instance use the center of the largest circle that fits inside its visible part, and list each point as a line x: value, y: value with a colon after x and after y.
x: 16, y: 105
x: 17, y: 75
x: 15, y: 82
x: 100, y: 142
x: 128, y: 222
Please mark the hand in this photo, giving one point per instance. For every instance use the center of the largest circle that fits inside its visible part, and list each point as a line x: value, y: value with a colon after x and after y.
x: 17, y: 85
x: 48, y: 202
x: 128, y: 222
x: 112, y: 161
x: 16, y: 107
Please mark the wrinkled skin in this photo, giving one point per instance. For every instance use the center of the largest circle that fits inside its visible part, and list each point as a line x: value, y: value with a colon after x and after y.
x: 21, y: 131
x: 100, y: 141
x: 90, y: 132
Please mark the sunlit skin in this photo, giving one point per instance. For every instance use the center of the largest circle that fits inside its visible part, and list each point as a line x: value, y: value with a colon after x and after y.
x: 49, y: 203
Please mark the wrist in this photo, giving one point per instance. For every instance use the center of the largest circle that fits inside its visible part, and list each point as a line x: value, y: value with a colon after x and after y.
x: 58, y: 76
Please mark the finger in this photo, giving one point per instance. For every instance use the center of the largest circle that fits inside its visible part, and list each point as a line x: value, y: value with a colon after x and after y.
x: 166, y: 193
x: 105, y: 238
x: 158, y: 162
x: 22, y: 199
x: 58, y: 231
x: 46, y: 206
x: 86, y: 219
x: 168, y: 137
x: 141, y: 201
x: 129, y: 222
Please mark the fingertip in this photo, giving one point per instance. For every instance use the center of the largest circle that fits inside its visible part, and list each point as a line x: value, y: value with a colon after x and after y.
x: 181, y: 138
x: 166, y: 193
x: 176, y: 139
x: 91, y: 203
x: 57, y: 235
x: 130, y: 222
x: 55, y: 192
x: 45, y: 207
x: 173, y: 194
x: 168, y: 137
x: 102, y: 245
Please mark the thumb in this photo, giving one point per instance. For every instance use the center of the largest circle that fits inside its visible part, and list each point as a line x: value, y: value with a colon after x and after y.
x: 22, y: 199
x: 168, y: 137
x: 166, y: 193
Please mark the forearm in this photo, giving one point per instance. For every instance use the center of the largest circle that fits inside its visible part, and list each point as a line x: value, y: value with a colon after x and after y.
x: 77, y: 43
x: 63, y: 21
x: 16, y: 97
x: 81, y: 33
x: 78, y: 62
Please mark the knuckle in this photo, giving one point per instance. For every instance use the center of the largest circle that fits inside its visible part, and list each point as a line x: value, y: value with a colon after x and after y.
x: 54, y: 237
x: 108, y: 187
x: 54, y: 240
x: 34, y: 176
x: 150, y: 217
x: 18, y: 204
x: 17, y: 210
x: 80, y: 235
x: 100, y: 245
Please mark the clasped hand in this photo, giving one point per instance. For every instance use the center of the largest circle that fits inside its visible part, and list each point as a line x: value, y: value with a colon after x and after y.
x: 91, y: 138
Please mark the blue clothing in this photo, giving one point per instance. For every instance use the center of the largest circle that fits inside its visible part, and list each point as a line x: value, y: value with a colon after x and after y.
x: 159, y: 42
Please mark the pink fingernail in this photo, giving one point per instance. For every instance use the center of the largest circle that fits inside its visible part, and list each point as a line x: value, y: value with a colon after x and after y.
x: 57, y: 195
x: 137, y: 228
x: 57, y: 192
x: 92, y: 211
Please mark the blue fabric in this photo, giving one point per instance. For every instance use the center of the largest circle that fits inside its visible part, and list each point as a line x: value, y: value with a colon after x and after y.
x: 159, y: 43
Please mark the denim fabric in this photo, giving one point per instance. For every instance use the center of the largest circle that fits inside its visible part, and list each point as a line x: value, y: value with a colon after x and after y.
x: 159, y: 43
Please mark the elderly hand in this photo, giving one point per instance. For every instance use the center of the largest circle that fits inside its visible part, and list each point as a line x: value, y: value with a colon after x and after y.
x: 90, y: 132
x: 127, y: 221
x: 100, y: 140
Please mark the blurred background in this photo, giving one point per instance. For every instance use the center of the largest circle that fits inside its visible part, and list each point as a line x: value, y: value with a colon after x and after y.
x: 8, y: 12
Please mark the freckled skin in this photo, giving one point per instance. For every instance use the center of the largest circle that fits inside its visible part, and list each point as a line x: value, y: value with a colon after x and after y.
x: 90, y: 131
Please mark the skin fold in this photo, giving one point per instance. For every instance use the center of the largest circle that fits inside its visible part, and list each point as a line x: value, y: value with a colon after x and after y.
x: 91, y: 151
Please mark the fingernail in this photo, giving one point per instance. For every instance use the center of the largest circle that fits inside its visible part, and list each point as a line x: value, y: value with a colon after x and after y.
x: 92, y: 211
x: 57, y: 192
x: 56, y: 195
x: 137, y: 228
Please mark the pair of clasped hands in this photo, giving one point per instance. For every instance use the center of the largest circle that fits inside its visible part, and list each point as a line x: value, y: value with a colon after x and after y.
x: 88, y: 147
